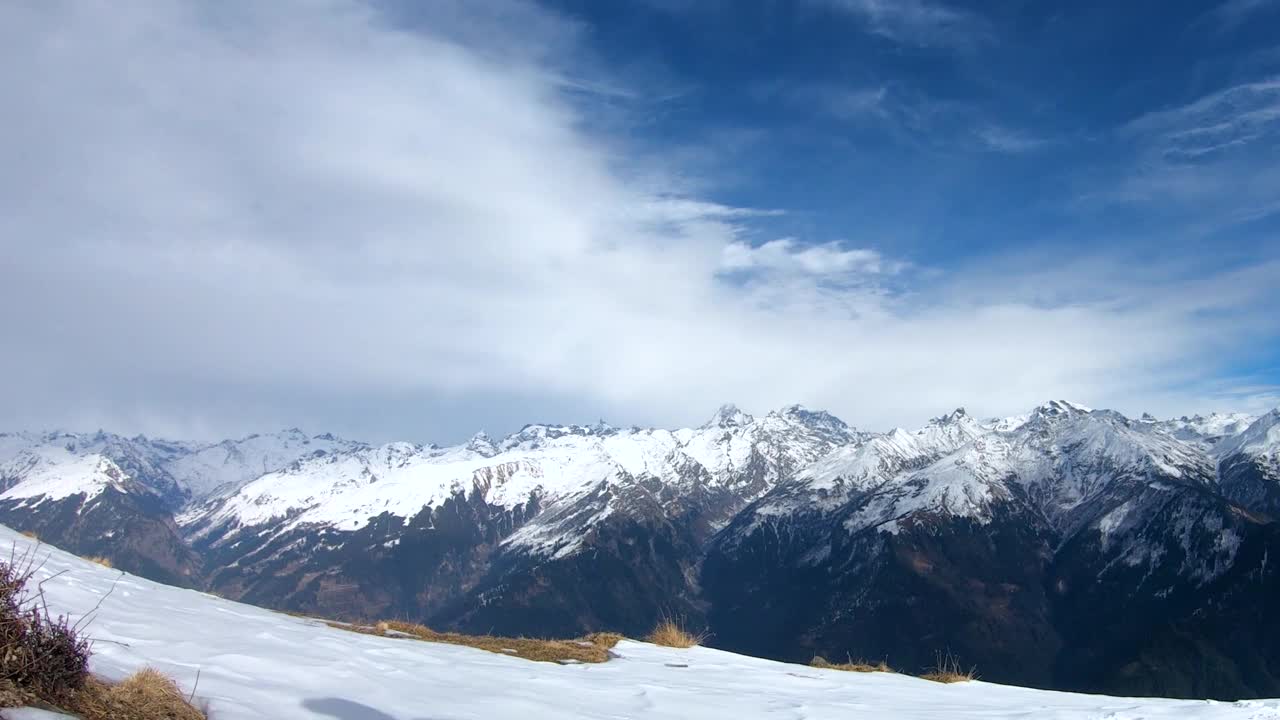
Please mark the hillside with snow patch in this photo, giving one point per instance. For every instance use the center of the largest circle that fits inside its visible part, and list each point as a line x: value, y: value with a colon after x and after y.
x: 246, y: 663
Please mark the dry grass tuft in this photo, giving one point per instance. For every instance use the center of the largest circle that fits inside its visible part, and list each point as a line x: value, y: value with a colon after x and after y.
x: 103, y: 561
x: 605, y: 640
x: 592, y: 649
x: 146, y: 695
x: 31, y: 534
x: 670, y: 633
x: 851, y: 665
x: 948, y: 670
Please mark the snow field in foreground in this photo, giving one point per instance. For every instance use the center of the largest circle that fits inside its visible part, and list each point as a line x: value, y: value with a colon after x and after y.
x: 254, y: 663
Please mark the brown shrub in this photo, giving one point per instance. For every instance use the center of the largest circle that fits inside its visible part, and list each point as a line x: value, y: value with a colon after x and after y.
x: 670, y: 633
x: 851, y: 665
x: 38, y: 652
x: 592, y: 649
x: 103, y: 561
x: 948, y: 670
x: 31, y: 534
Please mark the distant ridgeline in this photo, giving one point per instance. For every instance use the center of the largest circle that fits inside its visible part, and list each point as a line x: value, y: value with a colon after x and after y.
x: 1067, y: 548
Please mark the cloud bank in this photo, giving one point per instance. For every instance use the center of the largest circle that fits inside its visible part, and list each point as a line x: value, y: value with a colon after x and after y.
x: 227, y: 218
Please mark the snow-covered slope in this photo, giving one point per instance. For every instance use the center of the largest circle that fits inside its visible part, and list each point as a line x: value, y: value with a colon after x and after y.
x: 868, y: 466
x: 1259, y: 438
x: 87, y: 503
x: 49, y: 474
x: 223, y: 467
x: 1071, y: 460
x: 1205, y: 429
x: 1062, y: 455
x: 142, y: 460
x: 254, y: 664
x: 177, y: 471
x: 1249, y: 465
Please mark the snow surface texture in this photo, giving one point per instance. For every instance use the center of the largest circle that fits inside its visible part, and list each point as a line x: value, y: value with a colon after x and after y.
x: 257, y: 664
x: 31, y: 714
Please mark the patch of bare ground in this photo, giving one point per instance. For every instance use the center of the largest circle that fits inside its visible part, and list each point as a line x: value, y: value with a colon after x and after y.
x: 593, y: 648
x: 851, y: 665
x: 948, y: 670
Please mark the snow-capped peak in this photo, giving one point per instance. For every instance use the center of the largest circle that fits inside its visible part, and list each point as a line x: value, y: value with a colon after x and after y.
x: 1262, y: 436
x: 482, y: 444
x: 728, y: 416
x: 1055, y: 408
x: 1007, y: 424
x: 948, y: 432
x: 54, y: 473
x: 955, y: 416
x: 818, y: 420
x: 531, y: 437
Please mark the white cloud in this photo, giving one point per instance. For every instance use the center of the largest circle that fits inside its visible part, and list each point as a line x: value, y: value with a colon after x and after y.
x: 788, y: 256
x: 222, y: 217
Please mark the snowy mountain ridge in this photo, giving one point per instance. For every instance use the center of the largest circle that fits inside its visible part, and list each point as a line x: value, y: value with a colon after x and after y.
x: 789, y: 533
x: 37, y: 475
x: 1060, y: 454
x: 551, y: 464
x: 178, y: 470
x: 326, y: 480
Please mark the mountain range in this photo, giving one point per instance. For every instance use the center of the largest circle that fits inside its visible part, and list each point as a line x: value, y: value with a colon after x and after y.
x: 1066, y: 548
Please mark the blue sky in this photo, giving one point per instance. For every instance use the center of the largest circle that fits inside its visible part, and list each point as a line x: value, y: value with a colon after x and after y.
x: 944, y: 132
x: 415, y: 220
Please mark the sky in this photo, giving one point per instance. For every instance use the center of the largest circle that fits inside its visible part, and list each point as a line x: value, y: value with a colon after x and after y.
x: 412, y: 221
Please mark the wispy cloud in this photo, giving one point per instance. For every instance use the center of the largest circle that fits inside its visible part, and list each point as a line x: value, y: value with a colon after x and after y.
x: 851, y: 103
x: 1230, y: 118
x: 1007, y: 140
x: 912, y: 117
x: 919, y: 23
x: 1209, y: 157
x: 1232, y: 13
x: 306, y: 214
